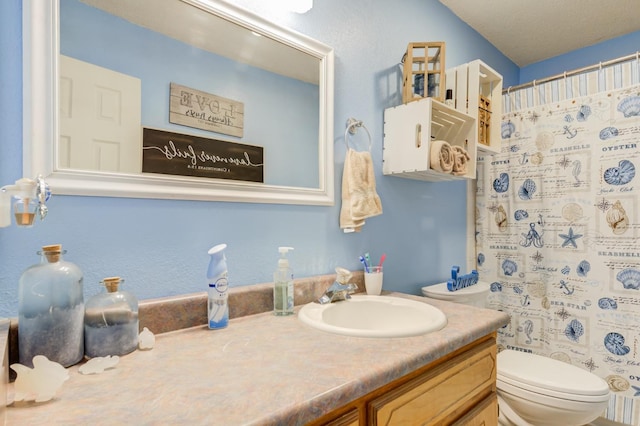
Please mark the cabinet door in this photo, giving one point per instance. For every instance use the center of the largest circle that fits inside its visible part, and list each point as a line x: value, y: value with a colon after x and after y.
x: 350, y: 418
x: 441, y: 394
x: 484, y: 414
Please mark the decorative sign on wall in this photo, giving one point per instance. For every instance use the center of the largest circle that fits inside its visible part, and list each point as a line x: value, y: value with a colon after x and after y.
x: 193, y: 108
x: 188, y: 155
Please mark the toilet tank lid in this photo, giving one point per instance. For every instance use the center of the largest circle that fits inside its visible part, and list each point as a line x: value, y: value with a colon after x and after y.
x: 479, y: 287
x: 547, y: 373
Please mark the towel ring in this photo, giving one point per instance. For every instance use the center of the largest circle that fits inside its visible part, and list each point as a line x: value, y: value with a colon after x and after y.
x: 352, y: 126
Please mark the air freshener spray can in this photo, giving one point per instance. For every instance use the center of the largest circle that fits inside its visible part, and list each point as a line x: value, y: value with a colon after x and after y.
x: 217, y: 275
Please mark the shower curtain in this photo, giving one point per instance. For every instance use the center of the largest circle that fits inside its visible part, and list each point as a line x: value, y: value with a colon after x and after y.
x: 558, y: 226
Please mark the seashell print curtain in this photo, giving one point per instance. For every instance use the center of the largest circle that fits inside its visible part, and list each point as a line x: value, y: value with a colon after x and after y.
x: 558, y: 226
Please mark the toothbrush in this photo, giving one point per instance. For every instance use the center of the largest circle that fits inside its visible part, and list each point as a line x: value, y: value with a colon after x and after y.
x: 382, y: 258
x: 368, y: 259
x: 364, y: 262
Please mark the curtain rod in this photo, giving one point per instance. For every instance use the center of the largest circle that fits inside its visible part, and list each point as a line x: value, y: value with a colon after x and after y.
x: 566, y: 74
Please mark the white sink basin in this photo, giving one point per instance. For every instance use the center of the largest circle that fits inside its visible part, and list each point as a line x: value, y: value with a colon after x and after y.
x: 374, y: 316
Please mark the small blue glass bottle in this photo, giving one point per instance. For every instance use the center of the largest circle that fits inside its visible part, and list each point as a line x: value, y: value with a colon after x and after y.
x: 217, y: 275
x: 111, y: 321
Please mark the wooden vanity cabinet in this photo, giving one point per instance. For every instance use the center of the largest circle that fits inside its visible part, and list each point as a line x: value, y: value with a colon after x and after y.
x: 459, y: 389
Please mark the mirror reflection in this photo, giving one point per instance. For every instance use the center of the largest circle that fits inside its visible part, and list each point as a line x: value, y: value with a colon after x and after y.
x: 270, y: 106
x: 124, y: 67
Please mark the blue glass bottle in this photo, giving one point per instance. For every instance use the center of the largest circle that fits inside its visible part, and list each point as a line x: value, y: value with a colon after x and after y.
x: 111, y: 321
x: 217, y: 275
x: 51, y: 310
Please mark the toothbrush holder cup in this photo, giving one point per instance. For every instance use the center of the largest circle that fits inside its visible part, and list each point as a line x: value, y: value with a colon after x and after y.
x: 373, y: 280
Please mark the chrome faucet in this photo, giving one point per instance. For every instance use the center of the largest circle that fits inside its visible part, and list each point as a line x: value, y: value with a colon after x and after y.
x: 341, y: 289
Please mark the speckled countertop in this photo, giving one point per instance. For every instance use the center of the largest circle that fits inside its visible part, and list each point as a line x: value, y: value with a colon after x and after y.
x: 260, y: 370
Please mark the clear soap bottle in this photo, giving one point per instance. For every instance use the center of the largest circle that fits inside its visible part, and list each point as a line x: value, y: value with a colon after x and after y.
x: 217, y: 275
x: 283, y: 285
x: 51, y: 310
x: 111, y: 321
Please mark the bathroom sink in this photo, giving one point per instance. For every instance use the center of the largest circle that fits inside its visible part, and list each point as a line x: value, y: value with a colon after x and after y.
x: 374, y: 316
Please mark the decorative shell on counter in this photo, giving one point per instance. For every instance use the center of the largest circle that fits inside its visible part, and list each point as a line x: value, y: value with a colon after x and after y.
x: 40, y: 383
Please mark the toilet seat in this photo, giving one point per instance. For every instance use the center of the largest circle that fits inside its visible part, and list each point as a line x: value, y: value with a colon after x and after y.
x: 549, y: 377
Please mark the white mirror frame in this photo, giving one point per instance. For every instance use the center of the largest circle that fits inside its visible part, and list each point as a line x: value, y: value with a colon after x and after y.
x: 40, y: 121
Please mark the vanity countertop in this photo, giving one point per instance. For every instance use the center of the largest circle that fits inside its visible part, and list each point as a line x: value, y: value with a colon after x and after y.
x: 261, y: 369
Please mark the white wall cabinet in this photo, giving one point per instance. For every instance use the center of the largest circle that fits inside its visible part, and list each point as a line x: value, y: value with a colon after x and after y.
x: 473, y: 84
x: 409, y: 132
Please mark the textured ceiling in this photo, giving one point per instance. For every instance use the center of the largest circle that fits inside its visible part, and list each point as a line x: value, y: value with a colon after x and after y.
x: 528, y: 31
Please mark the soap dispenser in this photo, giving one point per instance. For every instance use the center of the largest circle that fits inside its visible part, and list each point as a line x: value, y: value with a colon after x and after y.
x: 283, y: 285
x: 111, y: 321
x: 50, y: 310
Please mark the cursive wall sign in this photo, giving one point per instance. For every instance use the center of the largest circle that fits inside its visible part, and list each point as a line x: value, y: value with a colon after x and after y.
x: 188, y: 155
x: 193, y: 108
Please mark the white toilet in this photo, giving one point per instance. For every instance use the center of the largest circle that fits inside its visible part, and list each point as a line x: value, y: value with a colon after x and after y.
x: 534, y: 390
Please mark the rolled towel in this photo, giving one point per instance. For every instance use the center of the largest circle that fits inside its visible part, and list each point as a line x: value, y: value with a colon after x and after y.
x: 441, y: 156
x: 460, y: 160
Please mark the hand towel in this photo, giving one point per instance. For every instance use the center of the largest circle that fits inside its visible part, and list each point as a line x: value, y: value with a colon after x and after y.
x: 441, y: 156
x: 359, y: 197
x: 460, y: 160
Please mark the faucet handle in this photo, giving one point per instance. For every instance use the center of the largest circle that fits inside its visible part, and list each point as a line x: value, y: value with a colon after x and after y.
x: 343, y: 275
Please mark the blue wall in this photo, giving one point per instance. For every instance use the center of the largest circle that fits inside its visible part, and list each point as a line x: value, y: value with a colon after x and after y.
x: 611, y: 49
x: 159, y: 246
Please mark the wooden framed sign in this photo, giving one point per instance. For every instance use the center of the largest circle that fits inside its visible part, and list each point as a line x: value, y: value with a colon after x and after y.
x: 204, y: 111
x: 188, y: 155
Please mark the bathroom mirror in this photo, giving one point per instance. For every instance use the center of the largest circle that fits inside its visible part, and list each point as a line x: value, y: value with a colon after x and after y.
x: 290, y: 176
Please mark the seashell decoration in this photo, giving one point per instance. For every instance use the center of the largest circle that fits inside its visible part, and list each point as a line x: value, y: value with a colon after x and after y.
x: 561, y: 356
x: 614, y: 342
x: 629, y: 106
x: 583, y: 268
x: 630, y: 278
x: 501, y: 219
x: 574, y: 330
x: 480, y: 259
x: 537, y: 158
x: 501, y: 184
x: 607, y: 303
x: 566, y: 270
x: 583, y: 113
x: 617, y: 218
x: 546, y: 303
x: 517, y: 290
x: 617, y: 383
x: 520, y: 214
x: 507, y: 129
x: 537, y: 288
x: 495, y: 287
x: 514, y: 148
x: 568, y: 118
x: 509, y: 267
x: 572, y: 212
x: 527, y: 190
x: 544, y: 140
x: 608, y: 133
x: 621, y: 175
